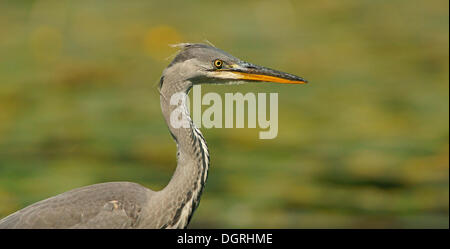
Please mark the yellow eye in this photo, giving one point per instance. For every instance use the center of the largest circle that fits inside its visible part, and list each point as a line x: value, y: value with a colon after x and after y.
x: 218, y: 63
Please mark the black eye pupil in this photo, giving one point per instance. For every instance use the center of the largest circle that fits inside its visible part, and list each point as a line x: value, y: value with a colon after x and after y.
x: 218, y: 63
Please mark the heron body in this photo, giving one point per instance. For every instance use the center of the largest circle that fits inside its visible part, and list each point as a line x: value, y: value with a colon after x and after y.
x: 130, y: 205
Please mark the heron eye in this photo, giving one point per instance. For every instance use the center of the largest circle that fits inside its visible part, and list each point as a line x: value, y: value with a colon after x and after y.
x: 218, y: 63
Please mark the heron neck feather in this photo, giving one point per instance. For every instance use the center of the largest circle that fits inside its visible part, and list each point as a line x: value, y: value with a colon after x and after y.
x: 185, y: 187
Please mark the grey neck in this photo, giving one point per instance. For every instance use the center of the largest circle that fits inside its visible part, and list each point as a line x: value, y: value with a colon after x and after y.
x: 184, y: 189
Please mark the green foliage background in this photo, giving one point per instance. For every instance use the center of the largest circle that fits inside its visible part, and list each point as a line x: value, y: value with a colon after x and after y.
x: 364, y: 145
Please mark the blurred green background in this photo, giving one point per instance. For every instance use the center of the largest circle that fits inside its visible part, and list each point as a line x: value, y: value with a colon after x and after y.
x: 364, y: 145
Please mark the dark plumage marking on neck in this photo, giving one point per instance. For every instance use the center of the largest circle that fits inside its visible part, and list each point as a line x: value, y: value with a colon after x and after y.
x: 161, y: 82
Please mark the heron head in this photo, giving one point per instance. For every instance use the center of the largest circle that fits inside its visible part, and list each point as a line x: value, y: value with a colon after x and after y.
x: 201, y: 63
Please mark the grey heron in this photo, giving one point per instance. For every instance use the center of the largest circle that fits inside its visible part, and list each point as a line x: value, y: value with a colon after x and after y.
x: 130, y: 205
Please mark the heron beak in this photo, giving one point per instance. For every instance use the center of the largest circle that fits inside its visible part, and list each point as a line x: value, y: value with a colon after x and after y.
x: 251, y: 72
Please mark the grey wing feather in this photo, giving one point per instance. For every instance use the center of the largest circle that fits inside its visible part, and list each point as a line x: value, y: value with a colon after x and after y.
x: 105, y: 205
